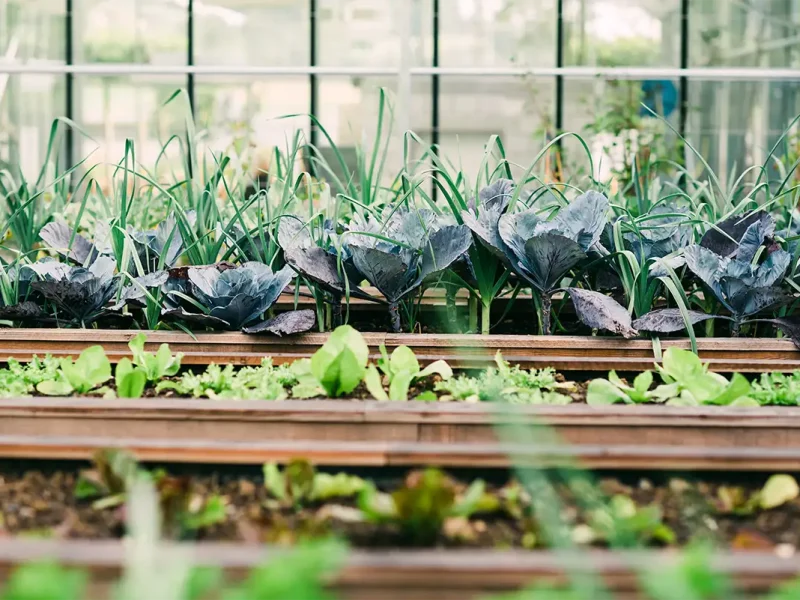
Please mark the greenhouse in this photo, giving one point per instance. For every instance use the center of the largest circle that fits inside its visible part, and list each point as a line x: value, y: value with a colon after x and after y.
x: 394, y: 299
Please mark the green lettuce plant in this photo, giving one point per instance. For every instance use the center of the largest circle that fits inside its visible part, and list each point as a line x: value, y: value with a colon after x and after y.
x: 91, y: 369
x: 155, y: 366
x: 686, y: 382
x: 420, y: 508
x: 336, y: 368
x: 130, y: 380
x: 401, y: 369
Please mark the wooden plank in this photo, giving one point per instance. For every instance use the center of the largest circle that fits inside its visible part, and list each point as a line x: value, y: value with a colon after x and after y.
x: 404, y: 454
x: 417, y: 574
x: 352, y: 421
x: 461, y: 350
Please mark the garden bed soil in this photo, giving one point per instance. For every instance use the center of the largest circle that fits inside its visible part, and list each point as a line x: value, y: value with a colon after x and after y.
x: 41, y: 504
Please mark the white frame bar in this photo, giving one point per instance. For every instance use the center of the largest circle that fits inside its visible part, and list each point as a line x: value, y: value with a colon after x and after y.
x: 635, y: 73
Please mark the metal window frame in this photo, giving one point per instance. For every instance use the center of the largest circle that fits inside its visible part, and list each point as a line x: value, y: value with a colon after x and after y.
x: 69, y: 84
x: 684, y: 73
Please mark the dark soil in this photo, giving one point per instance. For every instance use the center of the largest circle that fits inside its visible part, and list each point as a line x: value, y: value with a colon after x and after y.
x: 44, y: 504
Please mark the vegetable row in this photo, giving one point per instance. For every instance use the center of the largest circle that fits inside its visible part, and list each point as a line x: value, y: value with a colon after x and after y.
x: 341, y: 368
x: 426, y: 508
x: 659, y: 272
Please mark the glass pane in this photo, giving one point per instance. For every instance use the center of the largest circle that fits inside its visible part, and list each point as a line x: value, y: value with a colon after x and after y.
x: 365, y: 33
x: 519, y: 110
x: 735, y: 124
x: 618, y: 33
x: 113, y: 109
x: 130, y: 31
x: 349, y: 109
x: 609, y: 116
x: 744, y: 34
x: 28, y: 105
x: 497, y: 33
x: 242, y: 116
x: 30, y: 33
x: 251, y: 32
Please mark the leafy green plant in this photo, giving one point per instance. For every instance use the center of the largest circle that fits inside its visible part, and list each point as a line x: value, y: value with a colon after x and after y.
x: 421, y: 507
x: 155, y: 366
x: 299, y: 483
x: 400, y: 369
x: 776, y: 389
x: 336, y: 368
x: 45, y: 581
x: 130, y: 380
x: 21, y: 379
x: 687, y: 382
x: 623, y: 524
x: 507, y: 383
x: 114, y: 474
x: 264, y: 382
x: 741, y: 272
x: 298, y: 574
x: 80, y: 376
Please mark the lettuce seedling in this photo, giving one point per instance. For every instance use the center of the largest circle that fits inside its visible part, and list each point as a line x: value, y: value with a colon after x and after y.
x: 623, y: 524
x: 300, y: 483
x: 336, y: 368
x: 687, y: 382
x: 401, y: 369
x: 80, y: 376
x: 130, y: 380
x: 155, y: 366
x: 508, y: 384
x: 421, y: 507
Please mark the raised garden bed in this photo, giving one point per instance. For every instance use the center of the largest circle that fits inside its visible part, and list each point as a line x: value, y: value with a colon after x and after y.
x: 564, y: 353
x: 619, y: 456
x: 420, y: 574
x: 370, y: 421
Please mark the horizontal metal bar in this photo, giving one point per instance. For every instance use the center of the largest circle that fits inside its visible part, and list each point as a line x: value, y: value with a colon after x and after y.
x: 634, y: 73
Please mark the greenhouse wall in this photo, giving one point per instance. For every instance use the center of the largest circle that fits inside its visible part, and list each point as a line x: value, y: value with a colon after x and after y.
x: 723, y: 74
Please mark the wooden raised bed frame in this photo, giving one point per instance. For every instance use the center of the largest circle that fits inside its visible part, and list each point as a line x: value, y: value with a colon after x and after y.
x: 565, y: 353
x: 420, y: 574
x: 403, y: 422
x: 616, y: 457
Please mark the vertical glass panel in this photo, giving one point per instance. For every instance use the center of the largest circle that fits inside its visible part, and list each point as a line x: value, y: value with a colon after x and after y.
x: 251, y: 32
x: 130, y: 31
x: 497, y: 33
x: 473, y: 109
x: 617, y: 33
x: 744, y: 34
x: 113, y: 109
x: 736, y: 123
x: 30, y: 33
x: 610, y: 117
x: 366, y: 33
x: 349, y: 111
x: 243, y: 116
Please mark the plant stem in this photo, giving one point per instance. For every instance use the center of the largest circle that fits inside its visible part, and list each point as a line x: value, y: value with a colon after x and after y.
x: 336, y: 313
x: 547, y: 304
x: 473, y: 313
x: 486, y: 317
x: 394, y: 316
x: 735, y: 327
x: 450, y: 304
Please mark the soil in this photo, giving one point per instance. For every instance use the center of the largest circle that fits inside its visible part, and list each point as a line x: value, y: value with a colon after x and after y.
x: 36, y: 503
